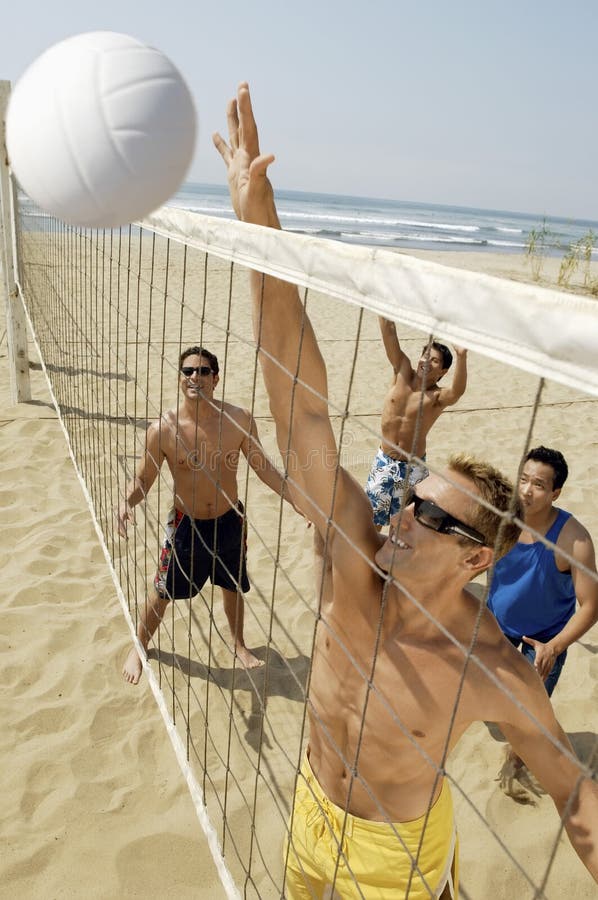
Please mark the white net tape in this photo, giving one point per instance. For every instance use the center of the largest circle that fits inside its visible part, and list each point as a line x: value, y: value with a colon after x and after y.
x: 541, y: 331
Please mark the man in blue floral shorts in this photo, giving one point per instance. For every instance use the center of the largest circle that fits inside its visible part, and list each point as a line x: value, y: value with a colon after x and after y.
x: 413, y: 403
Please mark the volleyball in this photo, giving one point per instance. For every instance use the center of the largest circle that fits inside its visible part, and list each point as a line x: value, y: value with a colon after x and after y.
x: 100, y: 129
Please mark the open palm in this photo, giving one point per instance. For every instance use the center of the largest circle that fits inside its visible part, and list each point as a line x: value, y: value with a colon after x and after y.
x: 249, y: 186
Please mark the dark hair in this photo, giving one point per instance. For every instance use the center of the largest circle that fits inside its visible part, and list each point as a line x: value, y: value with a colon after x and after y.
x: 447, y: 356
x: 554, y: 459
x: 200, y: 351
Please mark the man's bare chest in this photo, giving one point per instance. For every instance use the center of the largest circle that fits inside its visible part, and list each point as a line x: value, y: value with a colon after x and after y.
x: 406, y: 402
x: 201, y: 447
x: 399, y: 694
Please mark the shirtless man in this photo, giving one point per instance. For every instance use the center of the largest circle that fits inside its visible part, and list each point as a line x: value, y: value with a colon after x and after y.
x: 413, y: 403
x: 201, y: 441
x: 379, y: 733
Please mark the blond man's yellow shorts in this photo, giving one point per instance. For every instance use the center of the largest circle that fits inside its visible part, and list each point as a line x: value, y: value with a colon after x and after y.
x: 375, y: 860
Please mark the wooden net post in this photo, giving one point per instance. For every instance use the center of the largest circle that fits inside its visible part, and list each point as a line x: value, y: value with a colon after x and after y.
x: 16, y: 322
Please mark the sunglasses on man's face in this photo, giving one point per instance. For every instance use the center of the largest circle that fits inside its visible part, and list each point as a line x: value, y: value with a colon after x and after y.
x: 432, y: 516
x: 188, y: 371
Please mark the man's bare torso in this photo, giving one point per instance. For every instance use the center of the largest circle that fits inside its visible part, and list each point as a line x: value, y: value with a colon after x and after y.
x: 409, y: 709
x: 203, y: 457
x: 408, y: 414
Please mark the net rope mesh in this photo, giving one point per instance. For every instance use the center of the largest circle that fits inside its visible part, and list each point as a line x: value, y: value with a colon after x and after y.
x: 111, y: 311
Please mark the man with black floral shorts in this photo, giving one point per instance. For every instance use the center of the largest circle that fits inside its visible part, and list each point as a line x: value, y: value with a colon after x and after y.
x: 201, y: 441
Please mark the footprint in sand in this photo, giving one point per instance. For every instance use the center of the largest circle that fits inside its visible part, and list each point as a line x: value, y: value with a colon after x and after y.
x: 40, y: 781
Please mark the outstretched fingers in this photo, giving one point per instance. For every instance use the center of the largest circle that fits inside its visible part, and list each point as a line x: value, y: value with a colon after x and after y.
x: 232, y: 119
x: 242, y: 131
x: 222, y: 147
x: 247, y: 170
x: 246, y: 121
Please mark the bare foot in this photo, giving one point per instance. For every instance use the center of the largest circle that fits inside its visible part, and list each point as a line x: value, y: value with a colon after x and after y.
x: 132, y: 668
x: 517, y: 782
x: 513, y: 760
x: 247, y: 659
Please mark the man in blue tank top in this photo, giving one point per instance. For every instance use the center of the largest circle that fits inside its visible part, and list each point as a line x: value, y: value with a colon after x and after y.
x: 534, y: 589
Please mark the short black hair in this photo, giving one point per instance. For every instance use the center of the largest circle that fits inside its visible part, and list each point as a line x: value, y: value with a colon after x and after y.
x: 554, y: 459
x: 447, y: 356
x: 200, y: 351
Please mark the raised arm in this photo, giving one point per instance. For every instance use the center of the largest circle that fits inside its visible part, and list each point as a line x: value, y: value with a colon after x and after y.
x: 396, y: 357
x: 284, y: 334
x: 450, y: 395
x: 576, y: 541
x: 263, y: 467
x: 145, y: 474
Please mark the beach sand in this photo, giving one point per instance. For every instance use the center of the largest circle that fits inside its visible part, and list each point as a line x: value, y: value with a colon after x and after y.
x: 94, y: 803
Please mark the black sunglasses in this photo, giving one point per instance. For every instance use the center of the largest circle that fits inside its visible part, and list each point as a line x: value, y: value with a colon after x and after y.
x: 431, y: 516
x: 188, y: 371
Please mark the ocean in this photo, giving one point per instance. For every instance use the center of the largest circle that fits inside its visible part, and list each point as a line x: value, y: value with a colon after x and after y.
x: 385, y: 223
x: 397, y: 223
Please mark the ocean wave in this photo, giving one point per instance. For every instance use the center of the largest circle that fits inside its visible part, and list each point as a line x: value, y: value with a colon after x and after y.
x: 377, y: 237
x: 34, y: 213
x: 203, y: 210
x: 517, y: 244
x: 368, y: 220
x: 442, y: 239
x: 386, y: 237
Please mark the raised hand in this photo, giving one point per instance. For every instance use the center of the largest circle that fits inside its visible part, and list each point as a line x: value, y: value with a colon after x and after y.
x: 250, y: 189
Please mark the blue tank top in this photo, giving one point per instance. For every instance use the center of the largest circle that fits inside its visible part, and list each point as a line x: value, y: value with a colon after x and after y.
x: 529, y: 595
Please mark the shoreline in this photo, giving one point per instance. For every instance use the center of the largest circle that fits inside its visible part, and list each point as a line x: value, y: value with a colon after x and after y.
x: 514, y: 266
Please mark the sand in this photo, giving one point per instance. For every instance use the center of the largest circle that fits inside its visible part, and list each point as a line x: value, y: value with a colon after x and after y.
x: 94, y: 804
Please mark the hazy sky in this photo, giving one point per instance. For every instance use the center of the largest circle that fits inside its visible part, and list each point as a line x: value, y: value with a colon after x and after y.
x: 466, y: 102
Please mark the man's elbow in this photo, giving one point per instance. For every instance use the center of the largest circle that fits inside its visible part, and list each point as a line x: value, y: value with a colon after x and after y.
x: 580, y: 819
x: 305, y: 405
x: 579, y: 804
x: 142, y: 485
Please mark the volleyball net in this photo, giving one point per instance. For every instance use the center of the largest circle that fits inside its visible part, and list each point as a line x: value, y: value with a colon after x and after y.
x: 111, y: 312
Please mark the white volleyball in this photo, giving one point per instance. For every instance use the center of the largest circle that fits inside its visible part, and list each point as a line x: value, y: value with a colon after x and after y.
x: 100, y: 129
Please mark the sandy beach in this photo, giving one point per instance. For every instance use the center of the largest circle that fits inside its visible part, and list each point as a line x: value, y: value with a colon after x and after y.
x: 94, y: 802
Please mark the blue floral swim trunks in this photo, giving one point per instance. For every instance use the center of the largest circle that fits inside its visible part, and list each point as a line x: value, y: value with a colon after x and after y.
x: 387, y: 482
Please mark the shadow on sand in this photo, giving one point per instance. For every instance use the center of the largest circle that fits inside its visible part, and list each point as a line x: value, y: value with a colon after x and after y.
x: 279, y: 677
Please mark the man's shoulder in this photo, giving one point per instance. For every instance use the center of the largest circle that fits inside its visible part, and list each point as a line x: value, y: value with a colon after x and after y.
x: 401, y: 380
x: 446, y: 395
x: 572, y: 529
x: 574, y: 537
x: 474, y: 613
x: 491, y: 644
x: 235, y: 412
x: 438, y: 394
x: 498, y: 660
x: 235, y: 419
x: 164, y: 424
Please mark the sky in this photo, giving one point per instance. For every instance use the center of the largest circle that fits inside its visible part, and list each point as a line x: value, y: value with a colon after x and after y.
x: 468, y: 102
